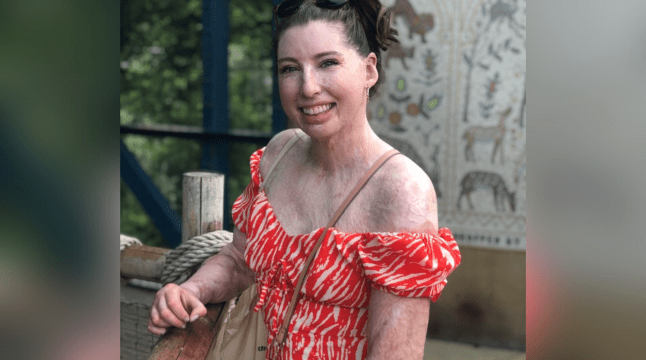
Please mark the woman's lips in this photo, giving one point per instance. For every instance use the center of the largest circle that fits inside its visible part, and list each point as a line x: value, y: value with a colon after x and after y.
x: 317, y: 110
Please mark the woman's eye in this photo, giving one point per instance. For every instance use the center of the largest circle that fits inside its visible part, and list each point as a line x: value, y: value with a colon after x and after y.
x: 330, y: 62
x: 287, y: 69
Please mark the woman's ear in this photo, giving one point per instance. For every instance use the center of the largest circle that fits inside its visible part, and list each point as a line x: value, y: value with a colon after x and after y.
x: 372, y: 75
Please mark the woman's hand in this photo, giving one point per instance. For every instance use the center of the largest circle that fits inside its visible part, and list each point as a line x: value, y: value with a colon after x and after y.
x: 221, y: 278
x: 174, y: 306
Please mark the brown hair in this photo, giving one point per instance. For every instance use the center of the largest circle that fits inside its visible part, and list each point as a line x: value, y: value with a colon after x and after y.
x: 366, y: 24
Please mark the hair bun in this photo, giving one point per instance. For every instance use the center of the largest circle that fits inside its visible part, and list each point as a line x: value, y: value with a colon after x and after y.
x: 384, y: 34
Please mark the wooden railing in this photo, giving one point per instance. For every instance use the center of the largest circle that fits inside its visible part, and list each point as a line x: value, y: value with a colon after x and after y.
x: 195, y: 341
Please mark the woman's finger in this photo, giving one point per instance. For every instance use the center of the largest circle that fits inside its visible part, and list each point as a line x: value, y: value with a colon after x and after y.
x: 155, y: 329
x: 177, y: 306
x: 156, y: 319
x: 168, y: 315
x: 196, y: 307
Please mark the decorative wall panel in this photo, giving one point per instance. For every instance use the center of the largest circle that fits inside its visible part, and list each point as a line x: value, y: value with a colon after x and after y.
x: 453, y: 101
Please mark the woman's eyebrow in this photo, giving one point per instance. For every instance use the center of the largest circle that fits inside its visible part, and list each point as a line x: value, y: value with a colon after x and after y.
x: 286, y: 59
x: 317, y: 56
x: 327, y: 53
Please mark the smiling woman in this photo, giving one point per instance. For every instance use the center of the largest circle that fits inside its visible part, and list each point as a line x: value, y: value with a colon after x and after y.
x: 373, y: 272
x: 319, y: 86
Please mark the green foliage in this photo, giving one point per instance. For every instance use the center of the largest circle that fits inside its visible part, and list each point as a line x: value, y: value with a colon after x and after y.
x: 250, y: 75
x: 161, y: 83
x: 161, y: 66
x: 250, y: 82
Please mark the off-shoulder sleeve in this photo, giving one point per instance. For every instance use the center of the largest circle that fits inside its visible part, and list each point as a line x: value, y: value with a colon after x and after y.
x: 409, y: 265
x: 242, y: 206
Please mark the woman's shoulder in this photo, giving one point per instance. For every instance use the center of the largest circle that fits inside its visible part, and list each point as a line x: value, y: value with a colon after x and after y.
x: 273, y: 148
x: 409, y: 203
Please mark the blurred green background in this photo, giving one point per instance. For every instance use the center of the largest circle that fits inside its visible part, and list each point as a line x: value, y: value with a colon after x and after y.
x: 161, y: 83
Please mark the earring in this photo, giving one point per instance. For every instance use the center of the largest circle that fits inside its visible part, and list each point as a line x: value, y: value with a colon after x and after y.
x: 367, y: 95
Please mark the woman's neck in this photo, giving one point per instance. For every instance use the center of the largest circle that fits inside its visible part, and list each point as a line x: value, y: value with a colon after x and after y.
x: 353, y: 149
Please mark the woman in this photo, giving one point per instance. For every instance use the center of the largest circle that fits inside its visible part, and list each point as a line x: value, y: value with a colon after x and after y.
x: 368, y: 291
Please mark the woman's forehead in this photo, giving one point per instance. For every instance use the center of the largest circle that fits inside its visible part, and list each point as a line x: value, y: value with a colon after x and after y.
x: 314, y: 37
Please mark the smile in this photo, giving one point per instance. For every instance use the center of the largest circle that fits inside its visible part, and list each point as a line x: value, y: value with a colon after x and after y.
x: 315, y: 110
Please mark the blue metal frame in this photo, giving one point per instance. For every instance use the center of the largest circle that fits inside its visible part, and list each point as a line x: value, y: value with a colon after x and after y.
x: 215, y: 41
x: 198, y: 133
x: 278, y: 117
x: 165, y: 219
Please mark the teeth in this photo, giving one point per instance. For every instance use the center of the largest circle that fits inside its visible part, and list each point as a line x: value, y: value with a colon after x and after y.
x: 317, y: 109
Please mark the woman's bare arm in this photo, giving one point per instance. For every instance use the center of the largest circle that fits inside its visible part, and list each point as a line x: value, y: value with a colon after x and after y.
x: 396, y: 327
x: 222, y: 277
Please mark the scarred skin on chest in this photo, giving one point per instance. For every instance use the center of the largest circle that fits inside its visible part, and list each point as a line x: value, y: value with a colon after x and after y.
x: 305, y: 199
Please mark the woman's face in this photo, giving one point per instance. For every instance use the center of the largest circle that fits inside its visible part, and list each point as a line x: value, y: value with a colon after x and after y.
x: 322, y: 80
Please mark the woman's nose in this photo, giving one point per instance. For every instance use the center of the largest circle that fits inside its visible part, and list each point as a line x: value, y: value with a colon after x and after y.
x: 310, y: 85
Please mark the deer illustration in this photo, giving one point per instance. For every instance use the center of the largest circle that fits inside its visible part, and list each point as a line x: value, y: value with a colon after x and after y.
x: 484, y: 180
x: 493, y: 134
x: 398, y: 52
x: 418, y: 24
x: 421, y: 25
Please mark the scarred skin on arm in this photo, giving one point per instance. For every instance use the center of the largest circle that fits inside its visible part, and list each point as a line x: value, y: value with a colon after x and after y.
x: 223, y: 276
x: 396, y: 325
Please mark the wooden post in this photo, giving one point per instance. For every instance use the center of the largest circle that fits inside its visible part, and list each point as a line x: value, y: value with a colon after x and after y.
x: 202, y: 203
x: 202, y: 212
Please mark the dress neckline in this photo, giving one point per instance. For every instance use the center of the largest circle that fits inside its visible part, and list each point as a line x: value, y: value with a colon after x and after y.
x: 262, y: 192
x: 344, y: 234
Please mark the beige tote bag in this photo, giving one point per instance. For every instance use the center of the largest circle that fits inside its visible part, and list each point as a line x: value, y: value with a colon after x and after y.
x: 243, y: 334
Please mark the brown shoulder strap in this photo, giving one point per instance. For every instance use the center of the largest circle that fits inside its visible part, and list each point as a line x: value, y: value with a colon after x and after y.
x: 282, y: 331
x: 295, y: 137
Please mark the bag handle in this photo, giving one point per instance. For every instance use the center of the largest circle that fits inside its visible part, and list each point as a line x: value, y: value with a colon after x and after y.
x: 282, y: 331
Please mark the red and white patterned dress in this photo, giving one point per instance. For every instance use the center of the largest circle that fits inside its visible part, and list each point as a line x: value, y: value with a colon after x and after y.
x: 330, y: 319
